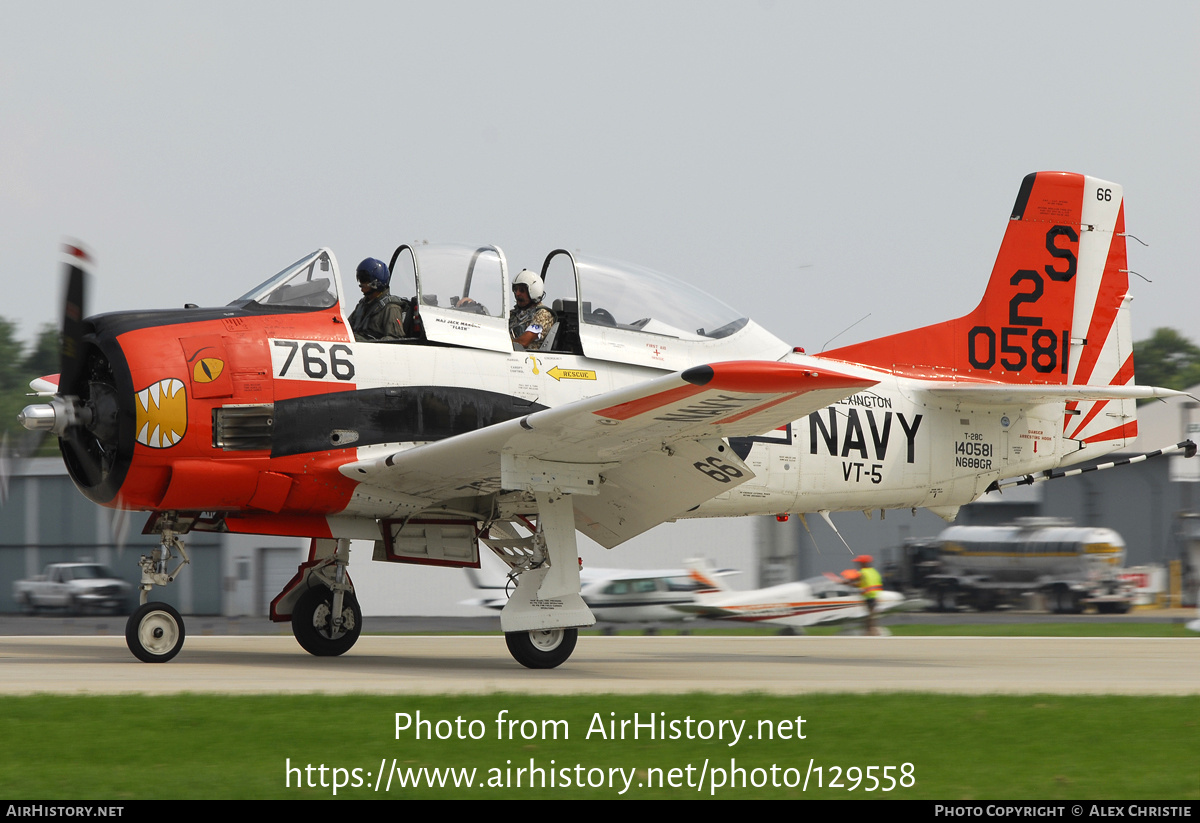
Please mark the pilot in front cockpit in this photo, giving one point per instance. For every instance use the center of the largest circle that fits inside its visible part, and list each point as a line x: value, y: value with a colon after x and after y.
x: 380, y: 314
x: 529, y: 321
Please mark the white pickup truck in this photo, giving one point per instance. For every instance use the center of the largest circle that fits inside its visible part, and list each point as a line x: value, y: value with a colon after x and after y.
x: 75, y: 588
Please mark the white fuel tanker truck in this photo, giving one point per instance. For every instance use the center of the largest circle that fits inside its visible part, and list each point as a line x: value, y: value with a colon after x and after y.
x: 1072, y: 567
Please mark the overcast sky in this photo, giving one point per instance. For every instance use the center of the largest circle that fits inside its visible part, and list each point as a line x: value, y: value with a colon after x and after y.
x: 809, y: 163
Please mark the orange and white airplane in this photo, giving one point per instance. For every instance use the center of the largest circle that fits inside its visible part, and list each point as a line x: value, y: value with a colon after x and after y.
x: 820, y: 600
x: 649, y: 402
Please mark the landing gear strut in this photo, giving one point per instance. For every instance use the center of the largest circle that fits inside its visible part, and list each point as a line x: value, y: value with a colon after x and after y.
x: 326, y: 618
x: 154, y: 632
x: 542, y: 617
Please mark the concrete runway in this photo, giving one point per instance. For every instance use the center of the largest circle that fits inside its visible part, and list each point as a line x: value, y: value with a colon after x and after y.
x: 469, y: 664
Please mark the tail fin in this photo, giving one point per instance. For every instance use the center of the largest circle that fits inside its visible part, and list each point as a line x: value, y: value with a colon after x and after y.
x: 702, y: 572
x: 1055, y: 310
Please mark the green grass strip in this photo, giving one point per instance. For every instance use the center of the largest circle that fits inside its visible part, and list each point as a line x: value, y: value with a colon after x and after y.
x: 959, y: 747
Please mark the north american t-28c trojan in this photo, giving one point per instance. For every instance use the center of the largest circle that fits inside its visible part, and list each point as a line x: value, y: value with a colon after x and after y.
x: 648, y: 402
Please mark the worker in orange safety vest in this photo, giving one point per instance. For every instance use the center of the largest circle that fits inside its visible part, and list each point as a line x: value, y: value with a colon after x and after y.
x: 870, y: 583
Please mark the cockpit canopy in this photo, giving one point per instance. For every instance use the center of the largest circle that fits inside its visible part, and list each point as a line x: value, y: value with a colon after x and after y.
x: 603, y: 309
x: 628, y: 313
x: 309, y: 283
x: 634, y: 298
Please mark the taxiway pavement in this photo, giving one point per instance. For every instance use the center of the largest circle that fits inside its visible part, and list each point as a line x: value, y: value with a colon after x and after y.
x: 481, y: 664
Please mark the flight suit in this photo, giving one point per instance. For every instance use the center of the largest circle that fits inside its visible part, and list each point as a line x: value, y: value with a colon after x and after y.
x: 378, y: 319
x: 534, y: 317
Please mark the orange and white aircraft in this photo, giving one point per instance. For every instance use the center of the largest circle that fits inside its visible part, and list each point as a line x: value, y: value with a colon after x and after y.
x: 820, y: 600
x: 650, y: 402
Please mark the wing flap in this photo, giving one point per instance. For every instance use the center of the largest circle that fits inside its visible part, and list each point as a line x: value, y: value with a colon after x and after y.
x: 661, y: 484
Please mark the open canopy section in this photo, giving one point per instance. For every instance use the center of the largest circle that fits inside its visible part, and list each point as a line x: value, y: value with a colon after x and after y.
x: 461, y: 292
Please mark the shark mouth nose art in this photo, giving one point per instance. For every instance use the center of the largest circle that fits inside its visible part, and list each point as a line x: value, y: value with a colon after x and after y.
x: 162, y: 414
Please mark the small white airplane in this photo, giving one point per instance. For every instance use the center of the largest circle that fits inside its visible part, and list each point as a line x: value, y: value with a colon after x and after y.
x: 647, y: 401
x: 626, y: 595
x: 825, y: 599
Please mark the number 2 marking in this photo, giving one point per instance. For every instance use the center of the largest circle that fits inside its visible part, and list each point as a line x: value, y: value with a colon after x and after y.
x: 1015, y: 318
x: 1024, y: 342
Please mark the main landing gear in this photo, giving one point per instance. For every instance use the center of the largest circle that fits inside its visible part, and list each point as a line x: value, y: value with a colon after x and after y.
x: 314, y: 626
x: 154, y: 632
x: 542, y: 617
x: 324, y: 612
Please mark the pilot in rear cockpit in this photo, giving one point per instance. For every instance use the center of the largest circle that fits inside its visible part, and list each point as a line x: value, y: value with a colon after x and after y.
x: 380, y: 314
x: 529, y: 321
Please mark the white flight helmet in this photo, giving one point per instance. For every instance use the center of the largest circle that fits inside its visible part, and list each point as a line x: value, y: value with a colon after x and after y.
x: 532, y: 282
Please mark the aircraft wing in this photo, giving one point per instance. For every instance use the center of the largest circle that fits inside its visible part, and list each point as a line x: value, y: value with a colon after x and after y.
x: 711, y: 612
x: 632, y: 458
x: 810, y: 612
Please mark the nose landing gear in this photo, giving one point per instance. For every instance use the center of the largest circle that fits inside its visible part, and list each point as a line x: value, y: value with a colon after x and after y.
x: 155, y: 632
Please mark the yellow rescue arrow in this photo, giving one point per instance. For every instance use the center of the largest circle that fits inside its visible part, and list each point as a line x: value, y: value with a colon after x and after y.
x: 571, y: 374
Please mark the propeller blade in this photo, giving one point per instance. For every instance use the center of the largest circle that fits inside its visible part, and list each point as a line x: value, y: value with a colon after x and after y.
x: 78, y: 442
x: 13, y: 452
x: 119, y: 526
x: 72, y: 322
x: 6, y: 469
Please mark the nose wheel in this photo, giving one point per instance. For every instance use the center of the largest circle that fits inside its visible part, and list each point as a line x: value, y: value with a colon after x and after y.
x: 154, y: 633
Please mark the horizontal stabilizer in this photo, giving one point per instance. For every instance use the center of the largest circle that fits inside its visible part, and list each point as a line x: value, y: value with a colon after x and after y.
x: 1002, y: 394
